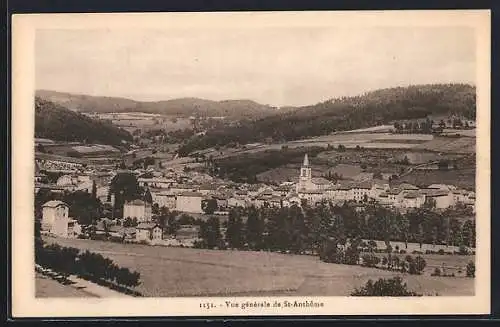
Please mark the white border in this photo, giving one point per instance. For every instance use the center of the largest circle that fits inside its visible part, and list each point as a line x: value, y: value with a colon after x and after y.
x: 24, y: 304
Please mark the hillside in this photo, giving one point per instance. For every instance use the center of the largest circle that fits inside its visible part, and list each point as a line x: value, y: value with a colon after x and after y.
x: 347, y: 113
x: 182, y: 107
x: 58, y: 123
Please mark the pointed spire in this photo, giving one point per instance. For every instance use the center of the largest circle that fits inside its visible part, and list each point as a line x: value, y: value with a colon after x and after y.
x: 306, y: 161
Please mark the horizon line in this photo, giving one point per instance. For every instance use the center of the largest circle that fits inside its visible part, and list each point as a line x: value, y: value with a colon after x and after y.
x: 261, y: 103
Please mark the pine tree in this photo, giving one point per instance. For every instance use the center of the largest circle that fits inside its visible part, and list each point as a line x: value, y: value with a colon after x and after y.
x: 234, y: 235
x: 254, y: 229
x: 94, y: 190
x: 148, y: 197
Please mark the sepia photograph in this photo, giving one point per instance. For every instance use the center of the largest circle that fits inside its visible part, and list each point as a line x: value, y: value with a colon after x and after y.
x: 252, y: 163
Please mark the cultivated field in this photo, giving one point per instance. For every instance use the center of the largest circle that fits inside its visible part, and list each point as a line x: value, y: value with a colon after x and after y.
x: 351, y: 140
x: 170, y: 272
x: 462, y: 178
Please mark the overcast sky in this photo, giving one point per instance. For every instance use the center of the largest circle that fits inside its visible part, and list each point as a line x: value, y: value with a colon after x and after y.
x: 281, y: 66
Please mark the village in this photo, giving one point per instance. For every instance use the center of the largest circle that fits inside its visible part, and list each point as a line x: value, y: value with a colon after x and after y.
x: 193, y: 194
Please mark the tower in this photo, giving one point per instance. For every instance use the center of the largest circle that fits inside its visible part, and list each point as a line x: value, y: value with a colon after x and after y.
x: 305, y: 175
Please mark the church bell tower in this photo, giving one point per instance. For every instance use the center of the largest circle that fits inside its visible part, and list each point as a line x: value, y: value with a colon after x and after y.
x: 305, y: 175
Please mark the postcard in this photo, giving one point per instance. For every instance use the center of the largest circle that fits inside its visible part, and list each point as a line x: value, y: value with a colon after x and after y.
x: 251, y: 163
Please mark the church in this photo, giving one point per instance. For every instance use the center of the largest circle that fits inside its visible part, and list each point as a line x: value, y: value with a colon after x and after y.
x: 307, y: 183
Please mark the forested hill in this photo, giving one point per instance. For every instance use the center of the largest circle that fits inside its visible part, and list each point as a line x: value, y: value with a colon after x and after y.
x: 58, y: 123
x: 182, y: 107
x: 346, y: 113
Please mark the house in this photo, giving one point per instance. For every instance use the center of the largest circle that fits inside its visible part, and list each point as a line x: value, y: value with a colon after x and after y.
x: 190, y: 202
x: 53, y: 210
x: 237, y: 201
x: 221, y: 199
x: 164, y: 199
x: 443, y: 199
x: 360, y: 191
x: 50, y: 187
x: 75, y: 182
x: 55, y: 220
x: 141, y: 210
x: 39, y: 176
x: 207, y: 189
x: 148, y: 231
x: 378, y: 187
x: 66, y: 227
x: 156, y: 182
x: 412, y: 199
x: 311, y: 197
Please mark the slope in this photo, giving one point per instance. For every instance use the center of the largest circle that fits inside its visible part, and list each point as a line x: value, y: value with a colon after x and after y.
x: 182, y: 107
x: 370, y: 109
x: 58, y: 123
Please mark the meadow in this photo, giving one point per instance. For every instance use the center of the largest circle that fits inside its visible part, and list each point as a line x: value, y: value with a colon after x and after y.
x: 172, y: 272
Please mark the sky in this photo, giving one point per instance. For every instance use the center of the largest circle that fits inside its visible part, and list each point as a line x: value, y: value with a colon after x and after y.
x: 277, y: 66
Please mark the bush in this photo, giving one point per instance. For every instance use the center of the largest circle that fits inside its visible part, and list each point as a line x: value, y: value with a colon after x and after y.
x: 370, y: 260
x: 441, y: 252
x: 384, y: 287
x: 471, y: 269
x: 437, y: 272
x: 462, y: 250
x: 402, y: 251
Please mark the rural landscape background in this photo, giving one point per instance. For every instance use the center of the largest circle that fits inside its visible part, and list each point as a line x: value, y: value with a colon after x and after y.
x: 365, y: 194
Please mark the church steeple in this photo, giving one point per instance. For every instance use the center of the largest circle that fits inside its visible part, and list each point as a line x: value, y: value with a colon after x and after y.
x: 306, y: 161
x: 305, y: 175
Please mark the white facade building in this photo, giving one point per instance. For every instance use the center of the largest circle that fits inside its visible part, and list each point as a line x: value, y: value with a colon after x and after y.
x: 190, y: 202
x: 52, y: 211
x: 138, y: 209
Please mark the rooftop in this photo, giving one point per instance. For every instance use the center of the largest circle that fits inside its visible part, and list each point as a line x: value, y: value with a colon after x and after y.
x: 54, y: 204
x: 191, y: 194
x: 147, y: 226
x: 135, y: 202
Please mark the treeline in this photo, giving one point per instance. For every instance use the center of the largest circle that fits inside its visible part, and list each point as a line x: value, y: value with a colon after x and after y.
x: 182, y: 107
x: 347, y: 113
x: 91, y: 266
x: 59, y: 123
x: 312, y: 229
x: 245, y: 168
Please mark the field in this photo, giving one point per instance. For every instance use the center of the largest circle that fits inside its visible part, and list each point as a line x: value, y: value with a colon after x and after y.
x: 366, y: 140
x: 463, y: 178
x: 170, y: 272
x: 144, y: 121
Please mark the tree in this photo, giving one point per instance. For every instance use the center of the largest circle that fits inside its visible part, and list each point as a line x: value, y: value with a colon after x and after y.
x: 471, y: 269
x: 234, y: 233
x: 83, y: 207
x: 469, y: 233
x: 209, y: 206
x: 210, y: 233
x: 94, y: 190
x: 384, y: 287
x: 125, y: 188
x: 148, y: 197
x: 40, y: 148
x: 254, y: 229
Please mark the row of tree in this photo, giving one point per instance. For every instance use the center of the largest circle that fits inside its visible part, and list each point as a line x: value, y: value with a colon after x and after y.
x: 93, y: 266
x: 305, y: 229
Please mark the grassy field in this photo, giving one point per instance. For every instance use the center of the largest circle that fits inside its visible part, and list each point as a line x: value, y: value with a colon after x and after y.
x: 462, y: 178
x: 170, y: 272
x: 46, y: 287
